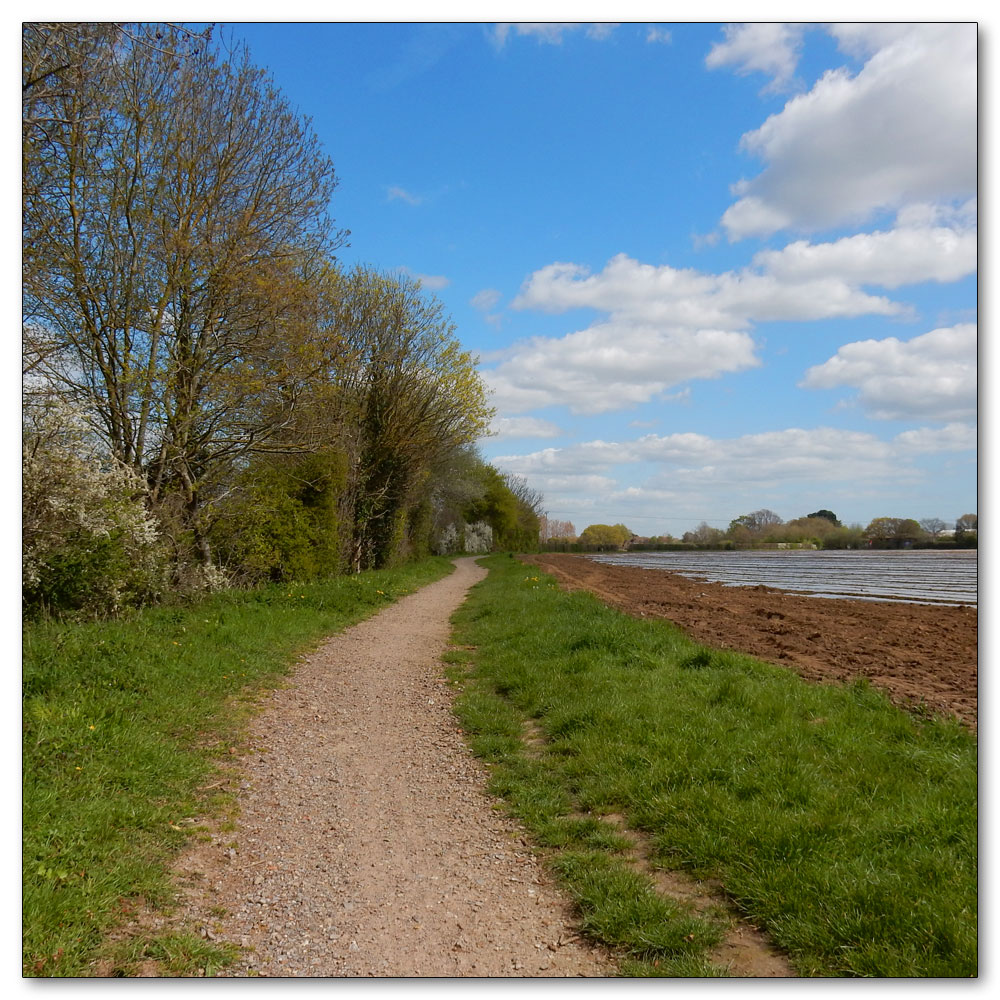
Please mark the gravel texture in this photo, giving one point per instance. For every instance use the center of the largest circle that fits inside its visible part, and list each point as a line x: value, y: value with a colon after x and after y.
x: 366, y: 844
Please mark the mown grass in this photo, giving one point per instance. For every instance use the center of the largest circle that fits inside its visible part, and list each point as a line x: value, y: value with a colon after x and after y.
x: 124, y: 722
x: 844, y: 826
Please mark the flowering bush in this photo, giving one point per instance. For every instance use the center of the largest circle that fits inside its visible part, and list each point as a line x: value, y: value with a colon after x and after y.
x: 469, y: 538
x: 478, y: 537
x: 89, y: 547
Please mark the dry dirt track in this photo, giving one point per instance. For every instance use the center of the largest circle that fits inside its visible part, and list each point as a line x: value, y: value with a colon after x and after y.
x: 365, y: 844
x: 914, y: 652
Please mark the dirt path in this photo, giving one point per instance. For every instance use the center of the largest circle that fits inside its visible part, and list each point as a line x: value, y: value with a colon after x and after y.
x: 914, y: 652
x: 365, y: 844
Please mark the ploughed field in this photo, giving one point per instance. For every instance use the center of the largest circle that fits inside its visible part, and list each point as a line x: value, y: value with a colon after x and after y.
x: 919, y: 654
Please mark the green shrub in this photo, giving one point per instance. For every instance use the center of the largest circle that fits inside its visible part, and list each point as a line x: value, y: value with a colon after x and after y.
x: 282, y: 522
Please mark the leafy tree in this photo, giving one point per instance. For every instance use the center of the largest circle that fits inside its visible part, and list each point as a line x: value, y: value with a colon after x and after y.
x: 845, y: 537
x: 967, y: 530
x: 181, y: 294
x: 413, y: 399
x: 176, y: 210
x: 893, y: 532
x: 910, y: 531
x: 758, y: 522
x: 740, y: 534
x: 704, y: 534
x: 812, y: 528
x: 455, y: 484
x: 530, y: 503
x: 604, y: 537
x: 280, y: 522
x: 881, y: 529
x: 512, y: 517
x: 967, y: 522
x: 827, y: 514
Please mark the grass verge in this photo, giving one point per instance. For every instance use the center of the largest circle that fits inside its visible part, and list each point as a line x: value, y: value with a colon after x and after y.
x: 124, y: 724
x: 844, y: 826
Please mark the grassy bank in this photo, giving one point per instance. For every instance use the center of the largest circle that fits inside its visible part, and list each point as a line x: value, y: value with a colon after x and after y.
x: 125, y: 723
x: 843, y: 826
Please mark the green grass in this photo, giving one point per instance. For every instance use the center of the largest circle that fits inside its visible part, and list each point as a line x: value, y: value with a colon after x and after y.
x: 843, y: 825
x: 124, y: 721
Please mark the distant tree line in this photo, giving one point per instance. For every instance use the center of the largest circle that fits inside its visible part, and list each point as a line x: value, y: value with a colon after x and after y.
x: 209, y: 396
x: 764, y: 528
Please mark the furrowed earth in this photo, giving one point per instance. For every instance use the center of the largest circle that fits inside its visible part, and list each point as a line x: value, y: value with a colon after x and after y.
x: 918, y: 654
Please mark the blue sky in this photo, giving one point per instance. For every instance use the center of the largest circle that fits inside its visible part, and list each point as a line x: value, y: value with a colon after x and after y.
x: 707, y: 268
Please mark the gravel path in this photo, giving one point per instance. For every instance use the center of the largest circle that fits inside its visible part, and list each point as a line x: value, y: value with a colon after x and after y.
x: 365, y: 844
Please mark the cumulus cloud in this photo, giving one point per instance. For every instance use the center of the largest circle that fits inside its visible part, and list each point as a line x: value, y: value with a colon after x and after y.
x: 900, y: 130
x: 909, y: 254
x: 656, y: 34
x: 666, y: 325
x: 612, y: 366
x: 688, y: 298
x: 950, y: 438
x: 931, y: 377
x: 768, y: 48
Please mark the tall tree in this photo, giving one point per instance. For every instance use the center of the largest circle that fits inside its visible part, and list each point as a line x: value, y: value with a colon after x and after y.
x: 704, y: 534
x: 414, y: 398
x: 966, y: 526
x: 177, y: 213
x: 551, y: 528
x: 933, y: 526
x: 757, y: 522
x: 605, y: 536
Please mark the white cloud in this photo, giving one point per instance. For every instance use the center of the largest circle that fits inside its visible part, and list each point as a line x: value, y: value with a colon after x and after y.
x: 950, y: 438
x: 902, y: 130
x: 432, y: 282
x: 486, y: 299
x: 692, y: 299
x: 763, y: 47
x: 550, y: 32
x: 524, y: 427
x: 612, y: 366
x: 666, y: 325
x: 752, y: 216
x: 655, y: 34
x: 601, y: 30
x: 931, y: 377
x: 659, y: 481
x: 395, y: 193
x: 695, y: 461
x: 902, y: 256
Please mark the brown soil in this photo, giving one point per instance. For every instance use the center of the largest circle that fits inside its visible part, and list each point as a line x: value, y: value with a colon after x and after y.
x: 918, y: 654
